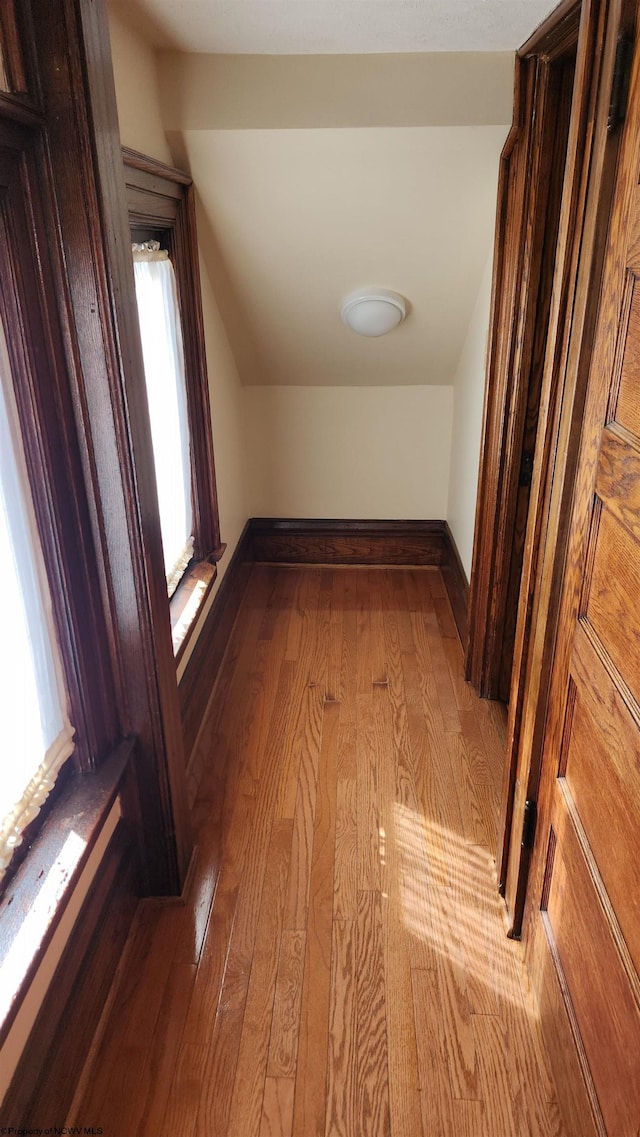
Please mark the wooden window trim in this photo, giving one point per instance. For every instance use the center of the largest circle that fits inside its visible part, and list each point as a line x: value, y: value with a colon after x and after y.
x: 80, y: 810
x: 187, y: 603
x: 162, y: 198
x: 29, y: 312
x: 94, y: 289
x: 67, y: 308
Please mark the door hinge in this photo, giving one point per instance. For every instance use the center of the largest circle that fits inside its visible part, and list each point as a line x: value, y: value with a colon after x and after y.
x: 620, y: 82
x: 526, y: 469
x: 529, y: 824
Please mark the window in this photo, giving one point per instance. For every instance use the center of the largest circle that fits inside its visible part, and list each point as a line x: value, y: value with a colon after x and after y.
x: 57, y: 666
x: 163, y: 354
x: 37, y: 734
x: 162, y: 221
x: 81, y: 457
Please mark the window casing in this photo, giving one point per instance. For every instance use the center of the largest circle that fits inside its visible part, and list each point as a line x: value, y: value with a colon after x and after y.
x: 67, y: 306
x: 37, y: 383
x: 163, y: 355
x: 161, y: 207
x: 37, y: 733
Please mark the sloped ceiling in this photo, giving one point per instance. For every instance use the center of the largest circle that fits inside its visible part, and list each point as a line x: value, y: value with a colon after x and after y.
x: 321, y: 174
x: 296, y: 219
x: 280, y: 27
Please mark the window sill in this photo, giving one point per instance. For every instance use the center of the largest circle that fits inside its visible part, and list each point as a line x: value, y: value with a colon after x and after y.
x: 187, y: 603
x: 39, y: 893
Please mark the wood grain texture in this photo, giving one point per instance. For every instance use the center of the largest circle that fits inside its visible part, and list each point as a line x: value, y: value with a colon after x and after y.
x: 456, y: 584
x: 277, y: 1108
x: 202, y: 669
x: 372, y: 1090
x: 104, y: 360
x: 591, y: 164
x: 584, y: 975
x: 341, y: 1105
x: 604, y: 999
x: 251, y: 1069
x: 310, y: 1099
x: 514, y: 293
x: 285, y: 1024
x: 164, y: 199
x: 365, y: 1017
x: 603, y: 741
x: 45, y: 1079
x: 348, y: 542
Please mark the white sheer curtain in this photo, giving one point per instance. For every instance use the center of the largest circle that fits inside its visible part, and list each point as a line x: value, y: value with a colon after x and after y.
x: 37, y: 736
x: 163, y: 352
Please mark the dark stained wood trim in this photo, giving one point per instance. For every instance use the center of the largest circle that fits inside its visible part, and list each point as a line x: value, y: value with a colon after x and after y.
x: 456, y: 584
x: 28, y: 307
x: 550, y: 36
x: 496, y: 395
x: 162, y: 198
x: 200, y: 673
x: 81, y: 808
x: 347, y: 542
x: 12, y: 43
x: 596, y: 338
x: 42, y: 1088
x: 581, y: 253
x: 201, y: 576
x: 512, y: 364
x: 134, y: 160
x: 103, y: 355
x: 554, y: 141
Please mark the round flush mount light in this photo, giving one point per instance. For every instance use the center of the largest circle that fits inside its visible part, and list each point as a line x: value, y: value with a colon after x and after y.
x: 373, y: 312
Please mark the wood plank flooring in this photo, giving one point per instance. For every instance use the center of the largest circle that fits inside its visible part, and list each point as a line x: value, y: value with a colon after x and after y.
x: 340, y: 968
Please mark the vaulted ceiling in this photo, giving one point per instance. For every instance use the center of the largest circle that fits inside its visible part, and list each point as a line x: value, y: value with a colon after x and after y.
x: 321, y: 168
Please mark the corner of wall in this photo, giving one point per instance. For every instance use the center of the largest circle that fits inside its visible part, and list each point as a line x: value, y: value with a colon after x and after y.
x: 468, y: 402
x: 137, y: 89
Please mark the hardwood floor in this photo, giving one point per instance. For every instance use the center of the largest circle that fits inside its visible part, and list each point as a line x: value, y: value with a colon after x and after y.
x: 341, y: 967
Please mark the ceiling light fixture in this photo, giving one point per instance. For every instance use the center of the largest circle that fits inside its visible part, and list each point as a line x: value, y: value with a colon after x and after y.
x: 373, y: 312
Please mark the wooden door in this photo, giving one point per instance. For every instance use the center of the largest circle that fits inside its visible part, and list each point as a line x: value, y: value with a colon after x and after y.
x: 583, y: 916
x: 593, y: 150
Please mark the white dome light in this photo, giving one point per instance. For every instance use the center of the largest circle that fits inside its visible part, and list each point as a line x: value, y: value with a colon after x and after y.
x: 373, y: 312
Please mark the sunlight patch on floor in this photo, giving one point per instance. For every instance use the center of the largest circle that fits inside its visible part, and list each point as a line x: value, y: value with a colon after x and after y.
x: 450, y: 914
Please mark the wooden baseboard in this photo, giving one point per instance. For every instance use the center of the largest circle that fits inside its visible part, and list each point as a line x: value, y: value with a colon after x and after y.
x: 44, y: 1083
x: 347, y: 542
x: 456, y: 584
x: 200, y: 673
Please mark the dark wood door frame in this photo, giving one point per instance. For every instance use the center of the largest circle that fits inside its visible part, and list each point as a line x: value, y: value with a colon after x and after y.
x: 591, y: 164
x: 592, y: 29
x: 595, y: 664
x: 518, y: 278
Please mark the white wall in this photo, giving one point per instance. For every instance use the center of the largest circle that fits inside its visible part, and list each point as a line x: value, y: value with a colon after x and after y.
x: 227, y: 403
x: 468, y: 398
x: 309, y: 190
x: 359, y: 452
x: 137, y: 92
x: 201, y: 91
x: 311, y: 451
x: 301, y: 218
